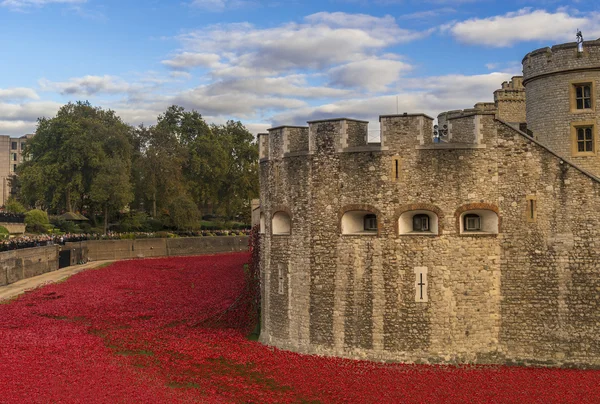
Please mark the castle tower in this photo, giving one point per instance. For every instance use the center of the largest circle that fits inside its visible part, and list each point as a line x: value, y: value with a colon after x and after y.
x: 510, y: 101
x: 562, y: 88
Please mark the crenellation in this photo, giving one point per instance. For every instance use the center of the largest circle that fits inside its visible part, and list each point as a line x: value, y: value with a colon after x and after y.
x: 398, y: 131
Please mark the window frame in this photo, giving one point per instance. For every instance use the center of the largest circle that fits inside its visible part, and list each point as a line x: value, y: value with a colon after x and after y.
x: 573, y: 96
x: 575, y: 127
x: 466, y: 218
x: 421, y: 216
x: 368, y: 218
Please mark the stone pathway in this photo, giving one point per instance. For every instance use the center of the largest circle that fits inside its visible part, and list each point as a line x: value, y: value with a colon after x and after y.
x: 22, y: 286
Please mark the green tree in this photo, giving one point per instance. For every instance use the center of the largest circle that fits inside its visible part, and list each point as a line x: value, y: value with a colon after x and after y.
x: 238, y: 182
x: 36, y: 220
x: 14, y: 206
x: 111, y: 187
x: 184, y: 213
x: 66, y: 154
x: 159, y: 167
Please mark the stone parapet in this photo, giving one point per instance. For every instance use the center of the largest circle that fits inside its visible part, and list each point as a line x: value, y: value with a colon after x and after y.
x: 561, y: 58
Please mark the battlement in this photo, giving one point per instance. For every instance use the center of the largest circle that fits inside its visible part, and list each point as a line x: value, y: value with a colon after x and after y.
x: 512, y: 90
x: 561, y: 58
x: 398, y: 133
x: 345, y: 135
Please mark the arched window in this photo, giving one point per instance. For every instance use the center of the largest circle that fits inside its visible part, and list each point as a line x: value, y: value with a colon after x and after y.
x: 479, y: 221
x: 420, y: 222
x: 281, y: 223
x: 359, y: 222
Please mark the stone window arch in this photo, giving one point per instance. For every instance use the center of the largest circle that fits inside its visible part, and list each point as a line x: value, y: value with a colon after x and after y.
x: 359, y: 219
x: 477, y: 219
x: 419, y: 219
x: 281, y: 222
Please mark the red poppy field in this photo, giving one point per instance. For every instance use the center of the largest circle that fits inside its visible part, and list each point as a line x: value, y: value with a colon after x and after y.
x: 173, y: 330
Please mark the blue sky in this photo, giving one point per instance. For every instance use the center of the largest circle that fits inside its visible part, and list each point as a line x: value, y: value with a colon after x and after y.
x: 269, y: 62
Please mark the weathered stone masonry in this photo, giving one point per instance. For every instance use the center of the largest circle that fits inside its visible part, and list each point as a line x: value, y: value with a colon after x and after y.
x: 524, y: 291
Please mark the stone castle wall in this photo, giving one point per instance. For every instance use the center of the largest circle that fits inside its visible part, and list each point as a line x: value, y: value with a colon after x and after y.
x: 523, y: 295
x: 549, y: 75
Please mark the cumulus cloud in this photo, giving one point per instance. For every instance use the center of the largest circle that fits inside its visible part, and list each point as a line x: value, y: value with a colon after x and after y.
x: 290, y: 86
x: 243, y: 105
x: 430, y: 95
x: 372, y: 74
x: 87, y: 85
x: 187, y: 60
x: 18, y: 93
x: 17, y: 128
x: 525, y: 25
x: 321, y: 41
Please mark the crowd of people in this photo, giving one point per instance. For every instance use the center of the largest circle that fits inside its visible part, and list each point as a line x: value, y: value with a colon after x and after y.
x: 28, y: 241
x: 7, y: 217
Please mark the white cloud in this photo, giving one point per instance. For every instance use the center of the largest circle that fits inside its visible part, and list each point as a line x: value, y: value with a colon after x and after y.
x: 323, y: 40
x: 18, y: 93
x: 188, y: 60
x: 290, y: 86
x: 17, y: 128
x: 87, y: 85
x: 22, y: 4
x: 430, y: 95
x: 180, y: 75
x: 27, y: 112
x: 526, y: 25
x: 243, y: 105
x: 371, y: 74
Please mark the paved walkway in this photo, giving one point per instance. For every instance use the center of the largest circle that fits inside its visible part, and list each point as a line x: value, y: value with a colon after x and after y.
x: 22, y: 286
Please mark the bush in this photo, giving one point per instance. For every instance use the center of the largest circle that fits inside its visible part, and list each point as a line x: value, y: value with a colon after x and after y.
x: 36, y: 221
x: 14, y: 206
x: 64, y: 225
x: 4, y: 234
x: 153, y: 225
x: 184, y: 213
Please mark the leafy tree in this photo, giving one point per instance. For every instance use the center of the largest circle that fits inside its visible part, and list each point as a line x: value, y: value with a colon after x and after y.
x: 36, y: 220
x: 159, y: 167
x: 14, y: 206
x: 67, y: 153
x: 239, y: 179
x: 184, y: 213
x: 111, y: 187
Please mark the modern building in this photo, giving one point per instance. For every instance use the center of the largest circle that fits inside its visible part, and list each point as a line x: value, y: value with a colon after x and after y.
x: 474, y: 242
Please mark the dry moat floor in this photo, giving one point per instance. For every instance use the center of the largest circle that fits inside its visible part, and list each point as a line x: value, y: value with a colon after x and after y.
x: 155, y: 331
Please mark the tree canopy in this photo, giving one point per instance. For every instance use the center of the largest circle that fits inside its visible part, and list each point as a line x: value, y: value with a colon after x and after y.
x: 87, y: 159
